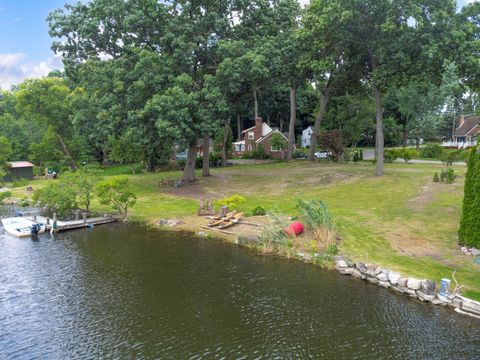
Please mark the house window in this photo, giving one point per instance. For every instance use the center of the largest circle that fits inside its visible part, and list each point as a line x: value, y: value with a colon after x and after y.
x: 275, y: 148
x: 251, y: 135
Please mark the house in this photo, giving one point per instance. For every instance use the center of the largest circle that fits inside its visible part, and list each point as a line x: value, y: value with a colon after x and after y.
x: 307, y: 136
x: 17, y: 170
x: 260, y: 134
x: 182, y: 154
x: 466, y: 131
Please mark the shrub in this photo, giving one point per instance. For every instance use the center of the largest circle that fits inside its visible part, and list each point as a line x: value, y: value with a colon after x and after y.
x: 233, y: 202
x: 316, y: 214
x: 436, y: 178
x: 390, y: 155
x: 259, y: 153
x: 259, y: 211
x: 56, y: 197
x: 407, y: 154
x: 247, y: 155
x: 115, y: 192
x: 468, y: 233
x: 432, y: 151
x: 448, y: 175
x: 5, y: 195
x: 332, y: 141
x: 274, y: 235
x: 300, y: 154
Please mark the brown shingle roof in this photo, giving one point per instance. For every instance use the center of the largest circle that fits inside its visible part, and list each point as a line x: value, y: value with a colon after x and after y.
x: 469, y: 126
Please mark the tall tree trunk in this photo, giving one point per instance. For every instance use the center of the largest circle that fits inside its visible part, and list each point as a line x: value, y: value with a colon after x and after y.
x: 318, y: 122
x: 189, y: 170
x: 280, y: 125
x: 268, y: 120
x: 405, y: 134
x: 226, y: 128
x: 239, y: 127
x: 293, y: 118
x: 255, y: 99
x: 206, y: 156
x: 66, y: 152
x: 417, y: 143
x: 104, y: 155
x: 379, y: 141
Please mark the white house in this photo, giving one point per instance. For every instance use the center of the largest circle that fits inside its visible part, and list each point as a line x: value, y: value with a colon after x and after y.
x: 307, y: 136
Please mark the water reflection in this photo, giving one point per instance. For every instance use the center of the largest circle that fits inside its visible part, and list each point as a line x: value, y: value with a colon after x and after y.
x: 126, y: 292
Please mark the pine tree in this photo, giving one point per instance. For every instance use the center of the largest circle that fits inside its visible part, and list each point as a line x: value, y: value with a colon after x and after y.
x: 469, y: 232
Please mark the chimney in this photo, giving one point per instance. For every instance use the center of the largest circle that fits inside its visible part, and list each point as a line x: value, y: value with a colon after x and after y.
x: 258, y: 128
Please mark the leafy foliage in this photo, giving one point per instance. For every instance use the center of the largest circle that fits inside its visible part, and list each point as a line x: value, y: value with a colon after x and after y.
x: 233, y: 202
x: 468, y: 233
x: 115, y: 192
x: 316, y: 214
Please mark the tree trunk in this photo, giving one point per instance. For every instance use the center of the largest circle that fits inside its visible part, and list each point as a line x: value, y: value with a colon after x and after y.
x: 417, y: 144
x: 225, y: 139
x: 255, y: 99
x: 405, y: 134
x: 316, y: 126
x: 280, y: 125
x: 239, y: 127
x: 379, y: 139
x: 104, y: 156
x: 189, y: 171
x: 73, y: 165
x: 293, y: 118
x: 268, y: 120
x: 206, y: 156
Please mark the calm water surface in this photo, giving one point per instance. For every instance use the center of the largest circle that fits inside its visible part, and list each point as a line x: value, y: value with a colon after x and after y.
x: 122, y: 291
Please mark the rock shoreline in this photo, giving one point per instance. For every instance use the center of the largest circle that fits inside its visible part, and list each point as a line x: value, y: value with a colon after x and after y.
x: 422, y: 289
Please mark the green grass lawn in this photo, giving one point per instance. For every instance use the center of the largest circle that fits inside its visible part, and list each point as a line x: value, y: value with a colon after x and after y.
x: 402, y: 220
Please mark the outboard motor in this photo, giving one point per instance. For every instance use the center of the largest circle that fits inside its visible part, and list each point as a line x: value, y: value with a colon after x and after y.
x: 35, y: 229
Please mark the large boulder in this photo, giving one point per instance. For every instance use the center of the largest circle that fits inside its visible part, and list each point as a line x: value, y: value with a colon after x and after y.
x: 425, y: 297
x: 382, y: 277
x: 414, y: 284
x: 429, y: 287
x: 372, y: 280
x: 384, y: 284
x: 340, y: 264
x: 402, y: 282
x: 346, y: 271
x: 393, y: 277
x: 362, y: 268
x: 356, y: 273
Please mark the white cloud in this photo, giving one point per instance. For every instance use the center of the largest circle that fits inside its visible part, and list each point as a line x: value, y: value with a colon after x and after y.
x: 14, y: 68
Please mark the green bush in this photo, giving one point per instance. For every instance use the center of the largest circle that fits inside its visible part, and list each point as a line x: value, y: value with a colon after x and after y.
x: 300, y: 154
x: 258, y: 211
x: 259, y: 153
x: 407, y: 154
x: 390, y: 155
x: 233, y: 202
x: 448, y: 175
x: 468, y: 233
x: 247, y: 155
x: 316, y: 214
x: 432, y: 151
x: 5, y: 195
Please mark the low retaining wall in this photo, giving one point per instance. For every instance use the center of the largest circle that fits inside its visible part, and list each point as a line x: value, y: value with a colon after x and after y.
x: 424, y: 290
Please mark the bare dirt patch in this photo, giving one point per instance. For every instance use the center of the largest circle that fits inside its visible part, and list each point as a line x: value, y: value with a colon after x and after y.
x: 425, y: 197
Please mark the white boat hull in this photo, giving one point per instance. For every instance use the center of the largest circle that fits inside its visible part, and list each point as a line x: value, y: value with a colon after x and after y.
x: 19, y: 226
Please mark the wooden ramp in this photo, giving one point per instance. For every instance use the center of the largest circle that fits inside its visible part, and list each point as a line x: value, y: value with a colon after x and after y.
x: 72, y: 224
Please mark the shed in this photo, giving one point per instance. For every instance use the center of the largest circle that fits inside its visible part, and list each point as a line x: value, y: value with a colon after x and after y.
x: 19, y: 170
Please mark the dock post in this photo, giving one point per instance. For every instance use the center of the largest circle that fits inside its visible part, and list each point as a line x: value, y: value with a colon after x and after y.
x: 84, y: 214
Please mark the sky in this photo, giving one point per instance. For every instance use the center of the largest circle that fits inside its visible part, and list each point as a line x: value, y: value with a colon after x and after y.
x: 24, y: 41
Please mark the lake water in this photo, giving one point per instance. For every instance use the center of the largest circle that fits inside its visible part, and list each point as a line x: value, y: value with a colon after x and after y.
x: 122, y: 291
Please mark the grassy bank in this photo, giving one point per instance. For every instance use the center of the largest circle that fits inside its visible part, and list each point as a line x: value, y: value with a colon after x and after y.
x: 402, y: 221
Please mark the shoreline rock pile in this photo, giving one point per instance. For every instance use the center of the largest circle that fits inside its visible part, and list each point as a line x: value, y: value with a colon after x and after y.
x: 422, y: 289
x: 470, y: 251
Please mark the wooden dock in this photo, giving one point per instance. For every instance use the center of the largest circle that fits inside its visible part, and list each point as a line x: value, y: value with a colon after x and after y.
x: 71, y: 224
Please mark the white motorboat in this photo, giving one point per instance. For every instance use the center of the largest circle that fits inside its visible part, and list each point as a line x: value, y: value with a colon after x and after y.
x: 20, y: 226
